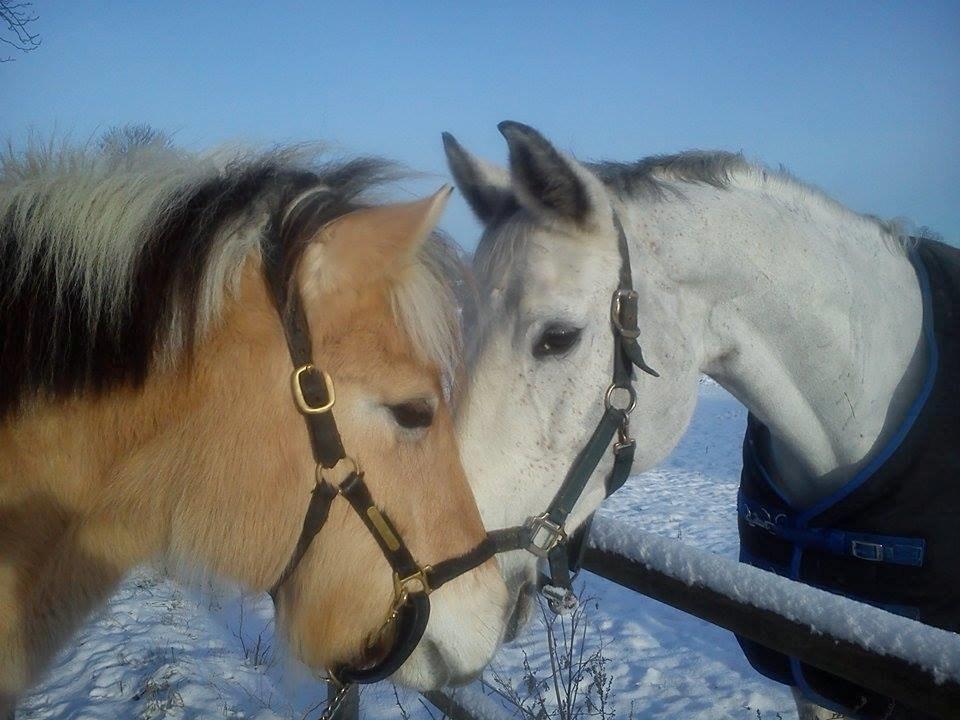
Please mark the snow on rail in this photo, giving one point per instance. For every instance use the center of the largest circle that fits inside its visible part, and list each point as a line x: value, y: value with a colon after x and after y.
x: 882, y: 633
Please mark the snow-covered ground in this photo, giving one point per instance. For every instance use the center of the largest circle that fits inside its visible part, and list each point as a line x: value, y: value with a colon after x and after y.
x: 160, y: 651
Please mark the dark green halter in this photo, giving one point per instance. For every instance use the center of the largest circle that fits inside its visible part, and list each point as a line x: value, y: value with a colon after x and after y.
x: 544, y: 535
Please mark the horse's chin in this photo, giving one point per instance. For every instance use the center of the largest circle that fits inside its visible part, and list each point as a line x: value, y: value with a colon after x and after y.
x: 466, y: 627
x: 524, y: 601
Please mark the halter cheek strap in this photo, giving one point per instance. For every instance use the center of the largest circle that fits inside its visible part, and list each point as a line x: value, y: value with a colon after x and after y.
x: 544, y: 535
x: 315, y: 396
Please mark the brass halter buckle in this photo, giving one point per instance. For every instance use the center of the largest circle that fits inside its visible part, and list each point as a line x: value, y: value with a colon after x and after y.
x: 305, y: 407
x: 544, y: 535
x: 416, y: 583
x: 403, y: 588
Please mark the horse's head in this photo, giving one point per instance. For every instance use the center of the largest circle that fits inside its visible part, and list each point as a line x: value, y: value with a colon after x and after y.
x: 547, y: 266
x: 377, y: 293
x: 383, y: 319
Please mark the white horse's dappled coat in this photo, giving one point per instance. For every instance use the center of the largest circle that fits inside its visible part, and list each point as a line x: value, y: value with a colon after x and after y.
x: 808, y: 313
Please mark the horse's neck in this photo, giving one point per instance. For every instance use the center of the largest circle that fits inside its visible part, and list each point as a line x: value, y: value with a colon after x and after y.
x: 810, y: 318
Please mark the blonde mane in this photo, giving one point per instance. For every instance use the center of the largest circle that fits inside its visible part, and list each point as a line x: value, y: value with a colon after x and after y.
x: 119, y: 255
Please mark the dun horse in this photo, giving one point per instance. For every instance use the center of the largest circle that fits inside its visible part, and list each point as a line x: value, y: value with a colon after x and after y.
x: 146, y: 409
x: 838, y: 335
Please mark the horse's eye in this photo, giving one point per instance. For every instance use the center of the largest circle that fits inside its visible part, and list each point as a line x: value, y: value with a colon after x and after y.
x: 556, y: 340
x: 413, y: 414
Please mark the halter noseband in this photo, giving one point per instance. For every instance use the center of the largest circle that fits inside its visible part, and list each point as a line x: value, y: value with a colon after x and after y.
x: 544, y: 535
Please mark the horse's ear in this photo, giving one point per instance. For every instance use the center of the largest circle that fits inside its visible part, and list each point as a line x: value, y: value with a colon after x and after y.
x: 549, y: 183
x: 486, y: 187
x: 370, y: 244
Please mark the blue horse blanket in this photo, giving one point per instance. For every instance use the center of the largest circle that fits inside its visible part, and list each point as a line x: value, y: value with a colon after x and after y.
x: 890, y: 537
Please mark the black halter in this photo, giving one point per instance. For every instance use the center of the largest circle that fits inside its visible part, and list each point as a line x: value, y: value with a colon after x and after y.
x: 314, y: 395
x: 544, y: 535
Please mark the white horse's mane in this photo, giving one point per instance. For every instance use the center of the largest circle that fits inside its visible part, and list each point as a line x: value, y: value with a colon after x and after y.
x: 661, y: 178
x: 656, y: 176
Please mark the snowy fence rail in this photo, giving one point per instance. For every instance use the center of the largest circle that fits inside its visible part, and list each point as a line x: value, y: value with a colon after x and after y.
x: 900, y: 658
x: 916, y: 664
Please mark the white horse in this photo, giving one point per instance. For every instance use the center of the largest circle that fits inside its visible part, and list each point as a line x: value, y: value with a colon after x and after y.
x: 810, y: 314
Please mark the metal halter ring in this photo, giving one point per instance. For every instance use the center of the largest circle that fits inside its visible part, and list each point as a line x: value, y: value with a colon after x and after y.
x: 354, y: 463
x: 403, y: 588
x: 417, y: 582
x: 608, y: 397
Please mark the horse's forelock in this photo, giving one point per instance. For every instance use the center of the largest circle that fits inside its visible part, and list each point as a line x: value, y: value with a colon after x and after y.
x: 429, y: 300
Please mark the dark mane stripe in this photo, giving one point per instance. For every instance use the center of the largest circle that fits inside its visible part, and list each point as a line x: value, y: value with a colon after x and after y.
x: 53, y: 344
x: 290, y: 228
x: 642, y: 176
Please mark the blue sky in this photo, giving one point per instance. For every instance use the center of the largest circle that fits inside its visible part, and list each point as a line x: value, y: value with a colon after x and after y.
x: 862, y: 99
